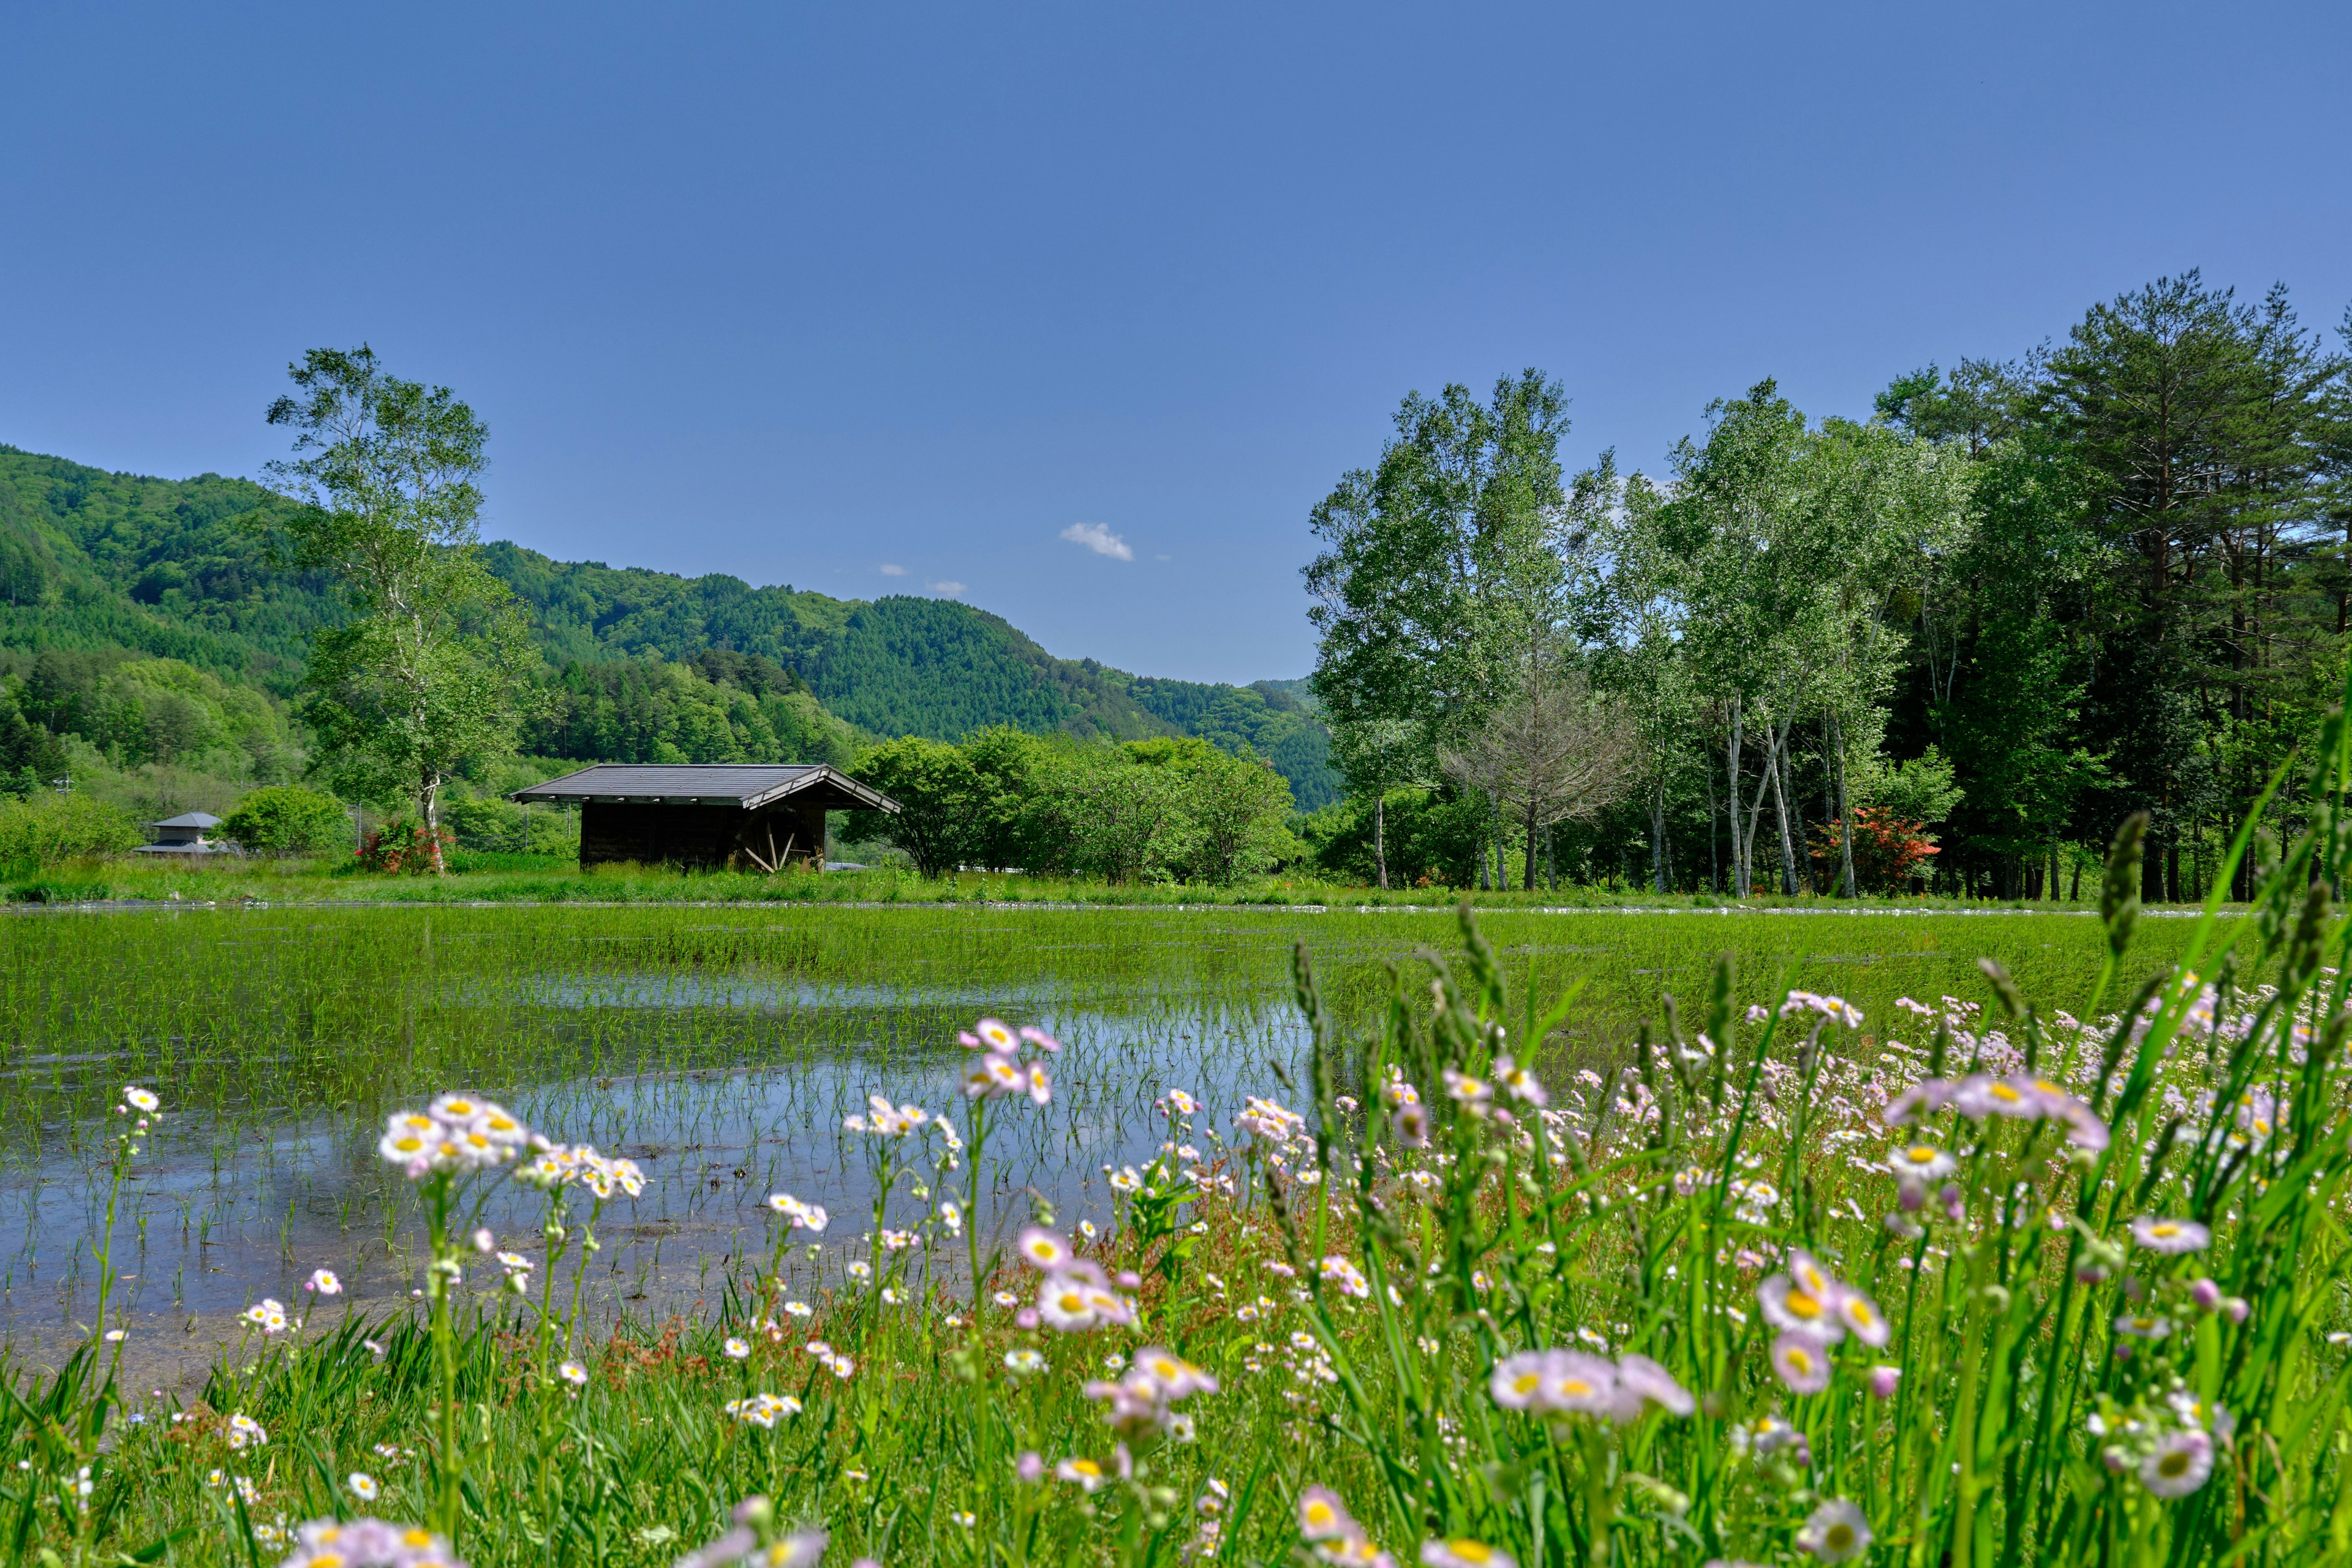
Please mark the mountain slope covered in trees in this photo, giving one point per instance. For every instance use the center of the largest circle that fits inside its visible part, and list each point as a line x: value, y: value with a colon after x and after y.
x: 120, y: 566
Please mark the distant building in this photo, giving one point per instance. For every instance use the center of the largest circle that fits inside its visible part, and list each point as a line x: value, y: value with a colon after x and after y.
x: 743, y: 817
x: 186, y: 835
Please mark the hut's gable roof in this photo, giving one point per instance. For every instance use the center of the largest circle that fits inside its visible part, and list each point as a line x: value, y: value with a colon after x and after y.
x: 748, y: 785
x: 197, y: 819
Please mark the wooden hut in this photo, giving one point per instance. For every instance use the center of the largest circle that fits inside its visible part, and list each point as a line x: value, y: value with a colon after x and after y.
x: 744, y: 816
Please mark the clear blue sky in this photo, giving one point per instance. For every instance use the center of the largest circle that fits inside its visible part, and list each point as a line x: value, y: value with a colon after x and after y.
x: 801, y: 292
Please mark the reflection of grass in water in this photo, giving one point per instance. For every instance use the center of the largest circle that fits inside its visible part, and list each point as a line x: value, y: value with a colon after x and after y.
x: 742, y: 1037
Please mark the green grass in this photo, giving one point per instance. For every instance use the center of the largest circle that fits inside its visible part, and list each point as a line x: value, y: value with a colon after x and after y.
x: 488, y: 877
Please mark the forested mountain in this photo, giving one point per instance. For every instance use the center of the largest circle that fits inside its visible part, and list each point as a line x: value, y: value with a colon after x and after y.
x: 643, y: 665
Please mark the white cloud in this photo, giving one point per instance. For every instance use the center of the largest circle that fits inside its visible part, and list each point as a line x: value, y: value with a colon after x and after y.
x: 946, y: 590
x: 1099, y: 540
x: 890, y: 571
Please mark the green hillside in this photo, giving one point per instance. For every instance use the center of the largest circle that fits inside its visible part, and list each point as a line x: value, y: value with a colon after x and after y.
x: 118, y: 564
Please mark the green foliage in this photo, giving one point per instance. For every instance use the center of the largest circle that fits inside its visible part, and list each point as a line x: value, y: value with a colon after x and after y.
x: 138, y: 711
x: 1267, y: 717
x: 489, y: 822
x: 423, y: 683
x: 1440, y: 562
x: 1434, y: 838
x: 1920, y: 790
x: 47, y: 828
x: 31, y: 760
x: 722, y: 707
x: 934, y: 785
x: 1230, y: 812
x: 165, y: 569
x: 1165, y: 809
x: 287, y: 818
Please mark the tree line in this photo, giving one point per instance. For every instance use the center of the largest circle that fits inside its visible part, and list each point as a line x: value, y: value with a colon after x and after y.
x: 1137, y: 811
x: 1952, y: 644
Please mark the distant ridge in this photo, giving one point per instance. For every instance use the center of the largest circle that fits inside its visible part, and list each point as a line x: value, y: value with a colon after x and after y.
x: 92, y: 560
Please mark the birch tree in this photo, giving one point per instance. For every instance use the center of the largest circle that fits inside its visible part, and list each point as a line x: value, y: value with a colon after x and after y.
x: 424, y: 680
x: 1738, y: 539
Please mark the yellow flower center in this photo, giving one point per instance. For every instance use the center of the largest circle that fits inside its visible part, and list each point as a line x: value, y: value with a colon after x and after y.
x: 1920, y: 1154
x: 1861, y: 1312
x: 1576, y: 1386
x: 2172, y: 1467
x: 2166, y: 1228
x: 1526, y: 1383
x: 1800, y: 1305
x: 1838, y: 1537
x: 2002, y: 1092
x: 1471, y: 1551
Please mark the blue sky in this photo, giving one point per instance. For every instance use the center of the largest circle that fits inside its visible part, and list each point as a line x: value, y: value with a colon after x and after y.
x: 1076, y: 310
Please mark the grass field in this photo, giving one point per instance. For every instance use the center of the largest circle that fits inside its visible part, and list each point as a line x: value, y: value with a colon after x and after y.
x: 544, y: 878
x: 721, y: 1049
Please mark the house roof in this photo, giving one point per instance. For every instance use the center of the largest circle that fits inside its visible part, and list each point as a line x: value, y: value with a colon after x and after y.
x: 748, y: 785
x: 199, y: 819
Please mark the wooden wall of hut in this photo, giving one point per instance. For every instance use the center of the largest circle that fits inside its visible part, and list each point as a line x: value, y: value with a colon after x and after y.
x: 703, y: 837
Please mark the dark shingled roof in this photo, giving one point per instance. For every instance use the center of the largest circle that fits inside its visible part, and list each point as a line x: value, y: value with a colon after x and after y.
x: 191, y: 819
x: 747, y: 784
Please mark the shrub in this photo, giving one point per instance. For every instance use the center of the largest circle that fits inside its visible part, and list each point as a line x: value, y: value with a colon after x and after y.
x: 49, y: 828
x: 286, y: 816
x: 403, y: 847
x: 1888, y: 851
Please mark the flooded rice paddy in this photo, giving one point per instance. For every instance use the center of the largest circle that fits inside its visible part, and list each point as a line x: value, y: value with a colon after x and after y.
x: 721, y: 1049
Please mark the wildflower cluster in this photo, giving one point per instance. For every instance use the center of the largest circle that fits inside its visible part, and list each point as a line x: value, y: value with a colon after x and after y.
x: 754, y: 1538
x: 1144, y: 1398
x: 1576, y: 1383
x: 368, y: 1543
x: 1001, y: 1068
x: 763, y: 1410
x: 1813, y: 1309
x: 554, y: 1167
x: 454, y: 1134
x: 1075, y: 1294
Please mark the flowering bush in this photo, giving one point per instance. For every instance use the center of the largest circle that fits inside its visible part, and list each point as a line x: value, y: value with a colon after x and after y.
x: 403, y: 847
x: 1890, y: 852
